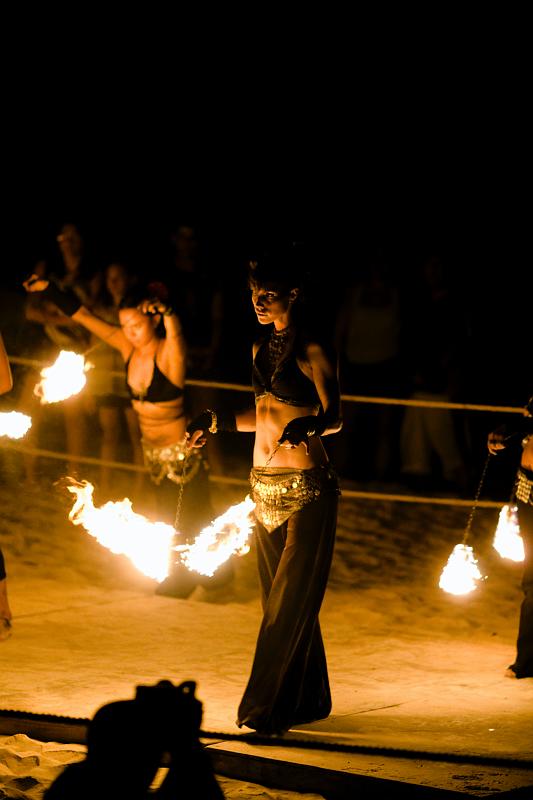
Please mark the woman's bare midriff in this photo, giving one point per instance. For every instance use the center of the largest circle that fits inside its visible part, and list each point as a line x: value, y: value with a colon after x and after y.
x: 161, y: 424
x: 271, y: 418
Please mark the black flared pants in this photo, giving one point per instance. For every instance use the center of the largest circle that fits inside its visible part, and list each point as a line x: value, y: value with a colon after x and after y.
x: 289, y: 678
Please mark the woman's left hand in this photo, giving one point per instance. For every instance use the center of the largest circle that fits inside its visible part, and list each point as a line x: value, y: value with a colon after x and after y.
x: 297, y: 432
x: 496, y: 440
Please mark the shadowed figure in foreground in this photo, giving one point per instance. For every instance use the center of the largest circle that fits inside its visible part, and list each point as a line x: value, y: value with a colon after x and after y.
x: 126, y: 741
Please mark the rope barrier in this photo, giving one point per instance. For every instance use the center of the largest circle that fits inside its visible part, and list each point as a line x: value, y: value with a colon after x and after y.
x: 348, y: 398
x: 223, y: 479
x: 55, y: 724
x: 349, y: 493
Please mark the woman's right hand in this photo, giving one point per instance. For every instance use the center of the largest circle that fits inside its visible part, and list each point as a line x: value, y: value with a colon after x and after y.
x: 35, y: 284
x: 196, y: 439
x: 197, y: 428
x: 496, y: 440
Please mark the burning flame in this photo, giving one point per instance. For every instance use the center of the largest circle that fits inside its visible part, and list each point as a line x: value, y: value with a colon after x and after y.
x: 117, y: 527
x: 507, y: 539
x: 14, y: 424
x: 63, y: 379
x: 227, y: 535
x: 149, y: 545
x: 460, y: 574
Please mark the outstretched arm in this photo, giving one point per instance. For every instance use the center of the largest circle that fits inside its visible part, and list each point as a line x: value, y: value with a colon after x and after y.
x: 6, y: 380
x: 67, y: 301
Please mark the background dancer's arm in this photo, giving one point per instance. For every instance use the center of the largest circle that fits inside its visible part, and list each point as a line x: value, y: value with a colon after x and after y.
x: 69, y: 304
x: 6, y: 379
x: 173, y: 353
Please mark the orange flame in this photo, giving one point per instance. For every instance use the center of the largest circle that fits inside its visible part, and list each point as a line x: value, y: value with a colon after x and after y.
x: 226, y: 536
x: 460, y: 574
x: 150, y: 545
x: 64, y: 378
x: 14, y: 424
x: 507, y: 539
x: 123, y: 531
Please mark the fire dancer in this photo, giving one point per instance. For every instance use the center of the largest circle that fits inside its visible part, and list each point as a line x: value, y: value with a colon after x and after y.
x: 523, y: 491
x: 155, y: 379
x: 6, y: 384
x: 297, y: 400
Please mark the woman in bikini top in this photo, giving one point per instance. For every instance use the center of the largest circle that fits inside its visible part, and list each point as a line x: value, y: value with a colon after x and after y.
x: 155, y: 359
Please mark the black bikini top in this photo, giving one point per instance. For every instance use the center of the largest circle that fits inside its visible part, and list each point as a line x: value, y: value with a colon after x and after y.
x: 160, y: 389
x: 287, y: 383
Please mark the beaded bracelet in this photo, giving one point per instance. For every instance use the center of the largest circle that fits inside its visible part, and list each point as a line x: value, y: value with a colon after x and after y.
x: 213, y: 428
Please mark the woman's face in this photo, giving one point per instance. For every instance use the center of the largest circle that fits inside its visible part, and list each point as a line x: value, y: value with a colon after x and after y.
x: 139, y: 329
x: 69, y: 240
x: 271, y: 304
x: 116, y: 280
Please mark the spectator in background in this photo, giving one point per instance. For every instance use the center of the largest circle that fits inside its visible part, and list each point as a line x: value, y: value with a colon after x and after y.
x: 194, y: 286
x: 436, y: 342
x: 72, y: 269
x: 113, y: 402
x: 34, y: 343
x: 368, y: 328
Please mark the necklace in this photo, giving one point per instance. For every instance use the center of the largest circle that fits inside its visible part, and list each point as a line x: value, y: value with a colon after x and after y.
x: 277, y: 343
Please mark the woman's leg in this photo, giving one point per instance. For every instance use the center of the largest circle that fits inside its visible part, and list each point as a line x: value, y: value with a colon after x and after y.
x: 75, y: 416
x: 134, y: 432
x: 523, y: 666
x: 289, y: 680
x: 109, y: 419
x: 5, y: 611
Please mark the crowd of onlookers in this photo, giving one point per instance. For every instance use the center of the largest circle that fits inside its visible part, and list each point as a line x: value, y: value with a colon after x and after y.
x: 404, y: 327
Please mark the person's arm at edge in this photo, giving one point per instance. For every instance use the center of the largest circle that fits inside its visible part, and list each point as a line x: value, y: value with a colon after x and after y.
x: 6, y: 379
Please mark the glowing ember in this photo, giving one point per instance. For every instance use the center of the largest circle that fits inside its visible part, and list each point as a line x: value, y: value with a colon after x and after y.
x: 227, y: 535
x: 460, y: 574
x: 63, y: 379
x: 117, y: 527
x: 14, y: 424
x: 507, y: 539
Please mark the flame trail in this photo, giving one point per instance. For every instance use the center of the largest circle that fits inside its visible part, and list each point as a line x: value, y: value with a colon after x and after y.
x: 150, y: 545
x: 123, y: 531
x: 226, y: 536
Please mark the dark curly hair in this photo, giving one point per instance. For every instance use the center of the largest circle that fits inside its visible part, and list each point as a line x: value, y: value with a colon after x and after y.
x: 283, y: 269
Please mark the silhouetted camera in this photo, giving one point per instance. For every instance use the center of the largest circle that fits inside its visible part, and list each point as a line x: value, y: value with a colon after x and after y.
x: 174, y: 710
